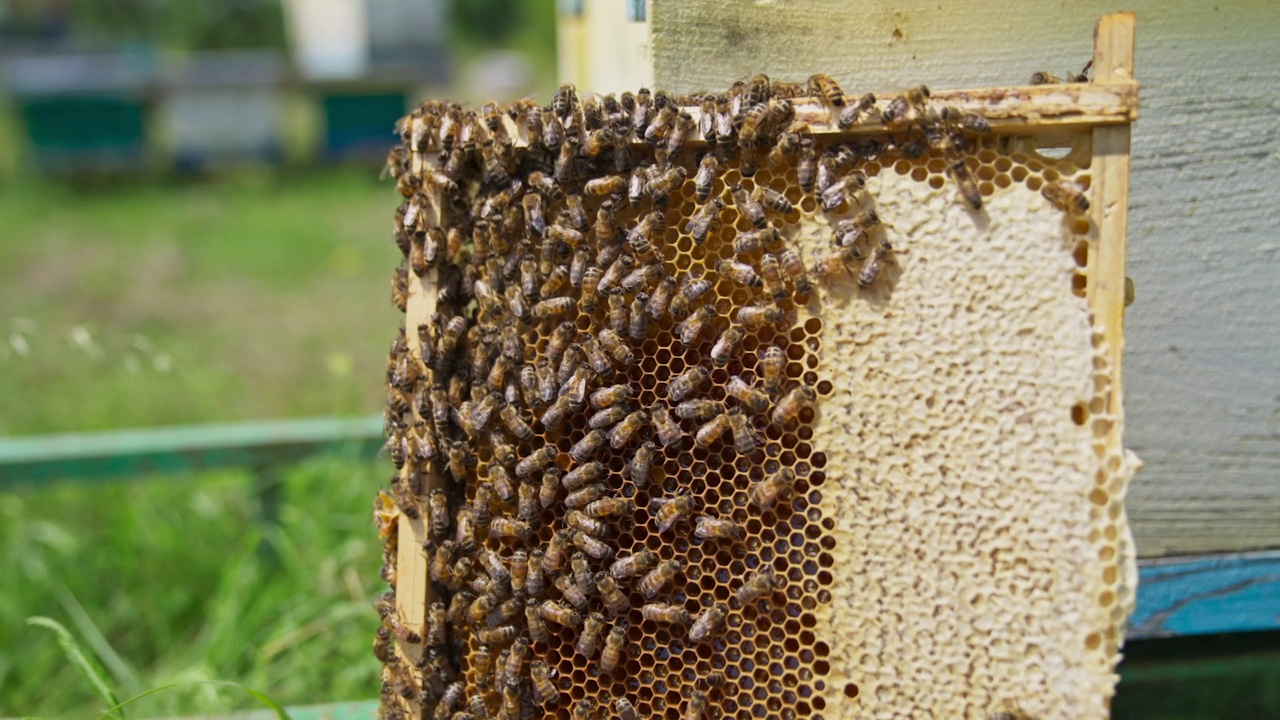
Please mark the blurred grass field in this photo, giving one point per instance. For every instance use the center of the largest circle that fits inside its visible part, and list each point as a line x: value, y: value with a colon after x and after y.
x: 252, y: 296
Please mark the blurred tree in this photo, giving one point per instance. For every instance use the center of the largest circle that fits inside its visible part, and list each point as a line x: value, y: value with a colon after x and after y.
x: 182, y: 24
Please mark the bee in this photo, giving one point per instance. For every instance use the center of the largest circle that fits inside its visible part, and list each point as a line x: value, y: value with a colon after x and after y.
x: 553, y: 416
x: 665, y: 613
x: 660, y: 125
x: 750, y: 207
x: 642, y: 277
x: 711, y: 431
x: 871, y: 267
x: 454, y: 329
x: 597, y: 141
x: 610, y: 282
x: 570, y: 591
x: 544, y: 184
x: 536, y: 461
x: 705, y: 177
x: 639, y: 325
x: 959, y: 172
x: 515, y: 425
x: 739, y: 272
x: 544, y: 682
x: 614, y: 645
x: 619, y: 314
x: 912, y: 102
x: 709, y: 528
x: 584, y: 496
x: 465, y: 530
x: 972, y: 122
x: 850, y: 230
x: 828, y: 265
x: 755, y: 317
x: 686, y: 382
x: 547, y: 387
x: 633, y: 564
x: 754, y: 240
x: 610, y: 507
x: 660, y: 298
x: 553, y: 555
x: 553, y: 308
x: 625, y: 431
x: 825, y: 86
x: 589, y: 638
x: 501, y: 527
x: 493, y: 564
x: 519, y: 572
x: 788, y: 408
x: 554, y: 612
x: 582, y: 710
x: 662, y: 185
x: 534, y: 622
x: 697, y: 706
x: 640, y: 238
x: 452, y: 698
x: 709, y: 621
x: 615, y: 600
x: 752, y: 399
x: 676, y: 137
x: 1045, y: 78
x: 566, y: 161
x: 612, y: 395
x: 753, y: 120
x: 511, y: 698
x: 668, y: 430
x: 607, y: 185
x: 854, y: 111
x: 497, y: 636
x: 438, y: 514
x: 692, y: 326
x: 625, y: 709
x: 615, y: 346
x: 745, y: 440
x: 579, y: 520
x: 657, y: 579
x: 671, y: 510
x: 722, y: 353
x: 691, y: 291
x: 699, y: 409
x: 1066, y: 196
x: 704, y: 220
x: 592, y: 546
x: 588, y: 446
x: 838, y: 193
x: 807, y: 165
x: 608, y: 417
x: 382, y: 647
x: 759, y: 584
x: 640, y: 466
x: 787, y: 144
x: 534, y: 221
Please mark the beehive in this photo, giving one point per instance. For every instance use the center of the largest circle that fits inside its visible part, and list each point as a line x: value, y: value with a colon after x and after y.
x: 947, y: 536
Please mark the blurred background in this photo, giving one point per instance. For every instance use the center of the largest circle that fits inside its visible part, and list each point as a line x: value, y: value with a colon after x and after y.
x: 190, y: 220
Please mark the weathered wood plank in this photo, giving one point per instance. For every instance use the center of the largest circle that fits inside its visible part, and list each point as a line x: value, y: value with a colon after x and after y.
x: 1202, y: 353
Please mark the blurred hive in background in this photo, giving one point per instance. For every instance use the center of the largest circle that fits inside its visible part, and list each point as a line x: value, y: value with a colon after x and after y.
x: 725, y: 412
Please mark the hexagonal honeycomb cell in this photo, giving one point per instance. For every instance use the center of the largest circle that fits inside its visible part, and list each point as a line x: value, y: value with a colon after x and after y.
x: 679, y: 419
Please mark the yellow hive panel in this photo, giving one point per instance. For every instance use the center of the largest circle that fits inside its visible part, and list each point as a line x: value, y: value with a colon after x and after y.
x: 879, y: 485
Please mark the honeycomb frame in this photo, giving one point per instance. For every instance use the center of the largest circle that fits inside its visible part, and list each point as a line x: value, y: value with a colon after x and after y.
x: 773, y: 659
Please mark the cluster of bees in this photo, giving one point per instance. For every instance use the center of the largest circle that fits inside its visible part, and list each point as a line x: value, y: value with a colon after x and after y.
x: 523, y: 428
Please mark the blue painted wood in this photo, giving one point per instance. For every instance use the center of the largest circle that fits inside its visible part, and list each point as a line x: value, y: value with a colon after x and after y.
x: 1201, y: 596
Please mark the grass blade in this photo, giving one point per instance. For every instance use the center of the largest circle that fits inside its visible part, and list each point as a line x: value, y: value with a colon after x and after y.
x: 93, y: 637
x: 272, y: 705
x: 82, y: 662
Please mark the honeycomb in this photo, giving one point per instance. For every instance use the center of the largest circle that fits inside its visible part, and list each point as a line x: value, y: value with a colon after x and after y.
x: 857, y: 406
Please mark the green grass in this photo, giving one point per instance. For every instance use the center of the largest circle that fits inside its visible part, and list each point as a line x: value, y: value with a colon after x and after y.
x: 258, y: 295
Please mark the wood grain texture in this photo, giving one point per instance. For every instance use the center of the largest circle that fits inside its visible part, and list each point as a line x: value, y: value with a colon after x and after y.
x: 1202, y: 353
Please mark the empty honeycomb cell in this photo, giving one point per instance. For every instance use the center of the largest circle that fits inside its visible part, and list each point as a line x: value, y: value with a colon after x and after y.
x: 1019, y: 173
x: 937, y: 181
x: 985, y: 172
x: 1081, y: 226
x: 919, y: 174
